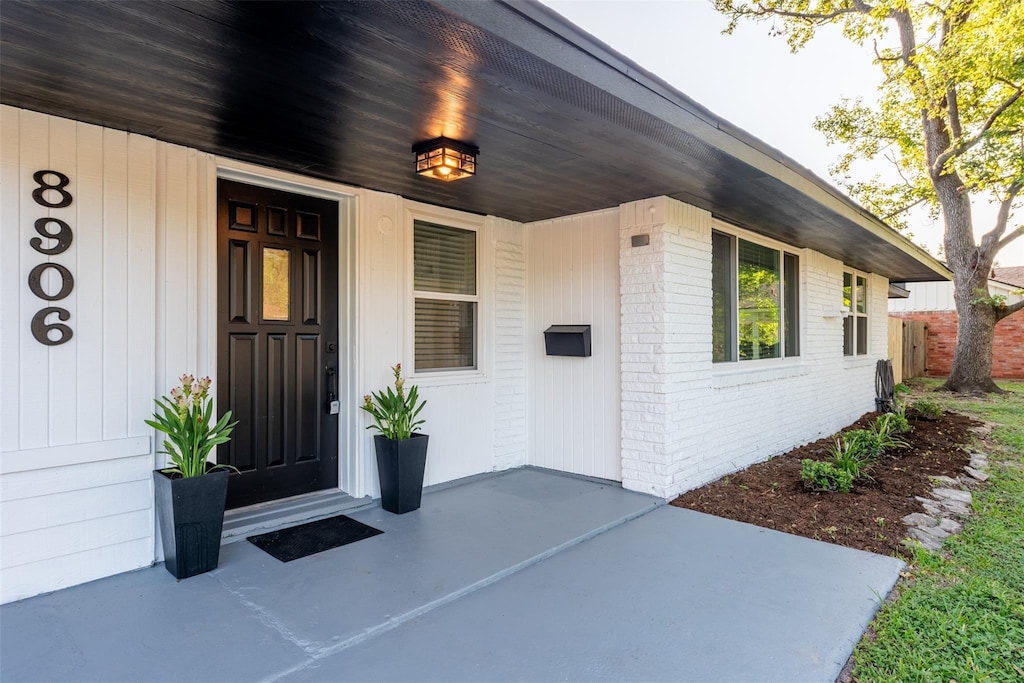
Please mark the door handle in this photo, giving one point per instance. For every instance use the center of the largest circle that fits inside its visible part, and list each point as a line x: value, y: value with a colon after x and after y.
x: 333, y: 406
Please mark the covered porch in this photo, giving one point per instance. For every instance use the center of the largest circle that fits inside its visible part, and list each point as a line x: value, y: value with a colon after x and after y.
x: 526, y: 575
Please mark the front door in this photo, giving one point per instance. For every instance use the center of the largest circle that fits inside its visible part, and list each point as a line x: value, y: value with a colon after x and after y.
x: 277, y: 340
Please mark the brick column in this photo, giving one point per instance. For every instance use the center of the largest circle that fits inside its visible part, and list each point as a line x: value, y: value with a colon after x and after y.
x: 665, y: 290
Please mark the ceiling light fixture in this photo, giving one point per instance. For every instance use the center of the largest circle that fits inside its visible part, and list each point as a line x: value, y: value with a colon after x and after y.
x: 445, y: 159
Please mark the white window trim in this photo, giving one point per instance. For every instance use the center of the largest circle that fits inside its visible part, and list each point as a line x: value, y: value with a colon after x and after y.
x: 737, y: 366
x: 851, y: 312
x: 416, y: 211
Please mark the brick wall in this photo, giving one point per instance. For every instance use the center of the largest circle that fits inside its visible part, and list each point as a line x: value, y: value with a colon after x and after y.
x: 687, y: 421
x: 1007, y: 345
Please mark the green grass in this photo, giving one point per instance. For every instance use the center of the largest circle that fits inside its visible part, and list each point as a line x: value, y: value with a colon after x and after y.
x: 962, y: 616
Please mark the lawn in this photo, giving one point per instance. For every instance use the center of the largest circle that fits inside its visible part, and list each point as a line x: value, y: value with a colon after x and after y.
x: 960, y: 614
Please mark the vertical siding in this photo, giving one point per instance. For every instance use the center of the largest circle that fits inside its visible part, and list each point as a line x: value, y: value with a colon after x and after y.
x: 461, y: 413
x: 572, y: 267
x: 75, y: 498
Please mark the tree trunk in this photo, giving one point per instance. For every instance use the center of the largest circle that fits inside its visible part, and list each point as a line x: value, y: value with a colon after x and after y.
x: 972, y: 360
x: 971, y: 371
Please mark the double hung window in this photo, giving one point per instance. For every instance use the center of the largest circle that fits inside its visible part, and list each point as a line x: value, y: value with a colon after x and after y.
x: 446, y: 297
x: 755, y: 300
x: 855, y: 312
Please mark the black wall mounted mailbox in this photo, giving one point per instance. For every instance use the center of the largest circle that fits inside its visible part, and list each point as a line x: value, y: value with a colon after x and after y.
x: 567, y: 340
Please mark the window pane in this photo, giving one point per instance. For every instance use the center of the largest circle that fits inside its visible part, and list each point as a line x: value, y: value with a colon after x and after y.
x: 792, y: 282
x: 723, y: 295
x: 848, y: 336
x: 759, y: 301
x: 445, y: 335
x: 444, y: 259
x: 862, y: 294
x: 276, y: 280
x: 862, y: 335
x: 848, y: 291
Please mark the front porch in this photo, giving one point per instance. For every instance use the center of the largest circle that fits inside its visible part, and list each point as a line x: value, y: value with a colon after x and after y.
x: 525, y: 575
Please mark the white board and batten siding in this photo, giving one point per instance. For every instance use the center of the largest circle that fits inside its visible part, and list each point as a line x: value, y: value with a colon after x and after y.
x: 572, y: 269
x: 75, y: 492
x: 475, y: 419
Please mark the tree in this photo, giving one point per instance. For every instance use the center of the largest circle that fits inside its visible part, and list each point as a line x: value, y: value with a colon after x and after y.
x: 950, y: 117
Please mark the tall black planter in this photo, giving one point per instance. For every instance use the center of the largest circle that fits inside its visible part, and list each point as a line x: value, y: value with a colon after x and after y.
x: 400, y: 466
x: 191, y: 520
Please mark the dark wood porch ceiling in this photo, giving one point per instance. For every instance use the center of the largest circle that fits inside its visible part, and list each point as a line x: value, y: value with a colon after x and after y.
x: 341, y: 90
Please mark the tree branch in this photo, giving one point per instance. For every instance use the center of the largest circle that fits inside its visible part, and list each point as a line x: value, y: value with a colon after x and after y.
x: 905, y: 208
x: 963, y: 146
x: 857, y: 7
x: 1009, y: 310
x: 1014, y: 234
x: 991, y: 239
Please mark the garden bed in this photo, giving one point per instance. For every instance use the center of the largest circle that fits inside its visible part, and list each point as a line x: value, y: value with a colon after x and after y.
x: 771, y: 494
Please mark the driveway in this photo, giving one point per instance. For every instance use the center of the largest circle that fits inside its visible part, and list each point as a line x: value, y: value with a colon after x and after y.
x: 523, y: 575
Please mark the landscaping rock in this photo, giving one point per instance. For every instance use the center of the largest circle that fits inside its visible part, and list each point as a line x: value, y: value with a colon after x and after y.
x: 928, y: 541
x: 943, y: 480
x: 952, y: 494
x: 921, y: 520
x: 950, y: 525
x: 978, y: 461
x: 977, y: 474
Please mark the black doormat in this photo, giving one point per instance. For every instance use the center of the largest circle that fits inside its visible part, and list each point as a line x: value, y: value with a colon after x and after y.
x: 313, y: 537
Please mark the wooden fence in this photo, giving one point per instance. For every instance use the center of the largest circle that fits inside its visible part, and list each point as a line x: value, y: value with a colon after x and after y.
x: 908, y: 348
x: 915, y: 348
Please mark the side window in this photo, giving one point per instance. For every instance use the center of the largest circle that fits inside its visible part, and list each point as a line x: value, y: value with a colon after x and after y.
x: 855, y: 307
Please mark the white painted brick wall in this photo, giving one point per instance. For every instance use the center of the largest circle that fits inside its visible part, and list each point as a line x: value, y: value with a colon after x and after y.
x: 687, y: 421
x: 509, y: 345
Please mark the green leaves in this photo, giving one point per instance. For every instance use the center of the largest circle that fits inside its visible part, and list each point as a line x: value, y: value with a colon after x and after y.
x: 395, y: 413
x: 187, y: 420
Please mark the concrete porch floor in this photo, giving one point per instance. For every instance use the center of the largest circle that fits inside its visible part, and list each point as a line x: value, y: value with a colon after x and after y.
x: 524, y: 575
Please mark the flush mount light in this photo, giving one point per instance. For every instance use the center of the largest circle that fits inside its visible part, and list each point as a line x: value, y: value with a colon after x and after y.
x: 445, y: 159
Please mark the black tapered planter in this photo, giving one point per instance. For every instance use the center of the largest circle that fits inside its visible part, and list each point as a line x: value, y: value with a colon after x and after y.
x: 191, y: 515
x: 400, y: 466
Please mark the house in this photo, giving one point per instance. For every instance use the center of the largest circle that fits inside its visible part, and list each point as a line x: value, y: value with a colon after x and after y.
x: 933, y: 303
x: 229, y: 189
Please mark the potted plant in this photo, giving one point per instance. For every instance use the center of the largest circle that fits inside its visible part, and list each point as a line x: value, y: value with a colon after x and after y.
x: 190, y: 494
x: 401, y: 451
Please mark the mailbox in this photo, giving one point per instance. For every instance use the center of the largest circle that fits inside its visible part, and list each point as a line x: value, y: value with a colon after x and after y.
x: 567, y: 340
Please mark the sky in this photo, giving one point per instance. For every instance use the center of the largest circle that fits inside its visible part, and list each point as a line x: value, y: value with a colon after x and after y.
x: 753, y: 81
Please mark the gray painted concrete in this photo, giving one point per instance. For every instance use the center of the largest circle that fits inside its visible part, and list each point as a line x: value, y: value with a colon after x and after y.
x: 526, y: 575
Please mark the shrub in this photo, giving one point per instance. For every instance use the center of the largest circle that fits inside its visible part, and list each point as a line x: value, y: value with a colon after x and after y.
x: 886, y: 430
x: 864, y: 442
x: 928, y: 409
x: 898, y: 420
x: 850, y: 456
x: 824, y: 476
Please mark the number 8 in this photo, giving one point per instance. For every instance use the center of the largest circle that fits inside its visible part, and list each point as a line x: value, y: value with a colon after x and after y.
x: 38, y: 194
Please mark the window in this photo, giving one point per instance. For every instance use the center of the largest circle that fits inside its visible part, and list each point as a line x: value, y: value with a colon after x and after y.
x: 755, y: 301
x: 446, y: 299
x: 855, y: 308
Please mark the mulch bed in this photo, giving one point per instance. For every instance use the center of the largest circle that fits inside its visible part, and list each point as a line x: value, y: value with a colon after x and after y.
x: 771, y: 494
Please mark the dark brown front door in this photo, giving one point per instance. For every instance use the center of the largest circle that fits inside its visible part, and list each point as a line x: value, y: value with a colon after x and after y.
x: 277, y: 340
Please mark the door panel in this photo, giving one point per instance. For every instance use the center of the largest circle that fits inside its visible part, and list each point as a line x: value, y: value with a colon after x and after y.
x: 277, y: 312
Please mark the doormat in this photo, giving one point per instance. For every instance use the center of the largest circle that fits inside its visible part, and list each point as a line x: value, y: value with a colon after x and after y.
x: 313, y: 537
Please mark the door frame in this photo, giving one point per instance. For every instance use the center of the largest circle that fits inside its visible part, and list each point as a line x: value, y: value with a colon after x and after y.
x: 350, y: 465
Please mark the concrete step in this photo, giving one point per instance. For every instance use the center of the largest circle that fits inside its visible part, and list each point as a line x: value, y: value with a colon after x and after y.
x: 277, y: 514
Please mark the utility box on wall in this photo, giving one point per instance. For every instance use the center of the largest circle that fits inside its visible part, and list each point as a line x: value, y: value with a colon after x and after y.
x: 567, y: 340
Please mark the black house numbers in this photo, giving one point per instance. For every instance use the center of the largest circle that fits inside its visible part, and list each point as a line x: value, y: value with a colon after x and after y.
x: 51, y: 229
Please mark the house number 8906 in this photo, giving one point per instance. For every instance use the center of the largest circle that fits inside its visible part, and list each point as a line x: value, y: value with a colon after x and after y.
x: 63, y: 235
